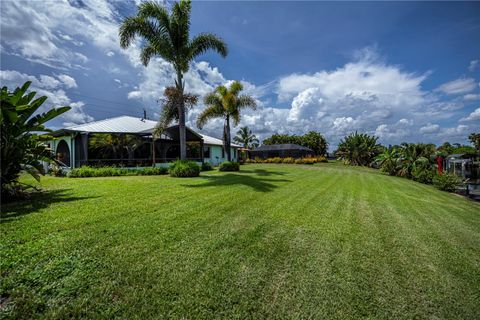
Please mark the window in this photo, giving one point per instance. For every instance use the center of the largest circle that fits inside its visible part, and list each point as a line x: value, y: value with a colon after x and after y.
x: 206, y: 152
x: 223, y: 152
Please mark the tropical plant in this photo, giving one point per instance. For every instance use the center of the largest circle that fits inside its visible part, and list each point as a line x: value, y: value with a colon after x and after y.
x: 168, y: 35
x: 358, y: 149
x: 313, y: 140
x: 22, y: 148
x: 229, y: 166
x: 415, y: 155
x: 388, y: 161
x: 184, y: 169
x: 446, y: 181
x: 246, y: 138
x: 86, y: 171
x: 226, y: 103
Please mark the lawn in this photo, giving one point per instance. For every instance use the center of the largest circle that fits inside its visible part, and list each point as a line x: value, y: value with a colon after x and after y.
x: 273, y: 241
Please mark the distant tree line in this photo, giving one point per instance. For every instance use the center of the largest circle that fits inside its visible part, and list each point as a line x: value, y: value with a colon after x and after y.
x: 313, y: 140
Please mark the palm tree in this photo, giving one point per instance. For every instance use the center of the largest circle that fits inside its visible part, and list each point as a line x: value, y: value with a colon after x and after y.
x: 389, y: 161
x: 246, y: 138
x: 168, y: 36
x: 358, y: 149
x: 226, y: 103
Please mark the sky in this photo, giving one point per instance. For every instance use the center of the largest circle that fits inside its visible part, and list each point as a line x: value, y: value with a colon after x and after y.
x: 403, y: 71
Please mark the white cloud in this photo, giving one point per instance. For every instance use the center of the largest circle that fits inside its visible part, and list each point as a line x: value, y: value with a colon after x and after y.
x: 430, y: 128
x: 471, y: 97
x: 457, y: 86
x: 110, y: 53
x: 51, y: 87
x: 474, y: 116
x: 68, y: 81
x: 473, y: 65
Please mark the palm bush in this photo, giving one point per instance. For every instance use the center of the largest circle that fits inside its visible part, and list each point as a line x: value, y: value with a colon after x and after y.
x: 229, y: 166
x: 358, y: 149
x: 388, y: 161
x: 22, y: 148
x: 184, y: 169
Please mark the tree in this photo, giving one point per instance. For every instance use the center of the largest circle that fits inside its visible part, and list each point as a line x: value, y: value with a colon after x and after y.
x: 22, y: 148
x: 358, y: 149
x: 475, y: 140
x: 316, y: 142
x: 226, y: 103
x: 246, y: 138
x: 169, y: 112
x: 168, y: 36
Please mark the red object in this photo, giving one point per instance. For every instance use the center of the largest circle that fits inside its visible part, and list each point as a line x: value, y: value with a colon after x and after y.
x: 440, y: 164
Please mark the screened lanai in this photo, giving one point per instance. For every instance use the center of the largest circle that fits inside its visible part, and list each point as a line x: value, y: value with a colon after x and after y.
x: 124, y: 141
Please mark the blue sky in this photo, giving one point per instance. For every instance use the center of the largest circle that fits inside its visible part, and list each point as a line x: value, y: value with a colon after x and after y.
x: 406, y: 71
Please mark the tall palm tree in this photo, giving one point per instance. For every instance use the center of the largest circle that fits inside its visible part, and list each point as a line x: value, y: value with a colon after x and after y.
x: 226, y: 103
x: 168, y: 36
x: 246, y: 138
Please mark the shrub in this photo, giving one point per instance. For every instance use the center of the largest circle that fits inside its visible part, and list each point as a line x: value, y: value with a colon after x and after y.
x: 322, y: 159
x: 56, y: 171
x: 446, y: 181
x: 151, y: 171
x: 206, y: 166
x: 184, y: 169
x: 423, y: 175
x: 86, y: 171
x: 288, y: 160
x: 229, y: 166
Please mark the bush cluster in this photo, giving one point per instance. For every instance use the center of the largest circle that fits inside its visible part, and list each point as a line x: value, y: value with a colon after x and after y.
x: 229, y: 166
x: 446, y: 181
x: 184, y: 169
x: 87, y: 171
x: 289, y: 160
x: 206, y: 166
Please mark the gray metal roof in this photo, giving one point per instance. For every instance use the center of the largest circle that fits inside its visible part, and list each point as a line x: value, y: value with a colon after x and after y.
x: 122, y: 124
x: 216, y: 142
x: 279, y: 147
x: 131, y: 125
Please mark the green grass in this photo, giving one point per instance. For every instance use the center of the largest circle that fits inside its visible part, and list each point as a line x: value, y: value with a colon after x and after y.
x: 272, y: 241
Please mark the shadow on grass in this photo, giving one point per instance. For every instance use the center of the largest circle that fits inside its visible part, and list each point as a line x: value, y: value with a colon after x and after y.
x: 39, y: 200
x: 230, y: 179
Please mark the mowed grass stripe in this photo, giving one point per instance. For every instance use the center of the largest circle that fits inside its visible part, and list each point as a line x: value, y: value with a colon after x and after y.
x: 272, y: 241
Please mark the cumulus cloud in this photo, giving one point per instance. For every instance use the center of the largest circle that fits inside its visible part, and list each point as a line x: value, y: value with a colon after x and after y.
x: 457, y: 86
x: 430, y: 128
x: 53, y: 88
x: 474, y: 116
x: 68, y: 81
x: 27, y: 29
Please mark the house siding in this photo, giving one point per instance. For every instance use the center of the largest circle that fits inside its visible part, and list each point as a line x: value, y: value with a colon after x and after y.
x: 216, y: 155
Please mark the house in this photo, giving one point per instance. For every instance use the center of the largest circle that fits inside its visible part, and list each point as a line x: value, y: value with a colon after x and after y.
x: 281, y: 150
x: 127, y: 141
x: 463, y: 165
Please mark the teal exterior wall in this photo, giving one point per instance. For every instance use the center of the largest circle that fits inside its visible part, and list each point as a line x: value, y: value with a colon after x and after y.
x: 216, y: 155
x: 70, y: 140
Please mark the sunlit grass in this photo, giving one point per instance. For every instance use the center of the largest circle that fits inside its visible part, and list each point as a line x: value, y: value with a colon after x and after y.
x: 272, y: 241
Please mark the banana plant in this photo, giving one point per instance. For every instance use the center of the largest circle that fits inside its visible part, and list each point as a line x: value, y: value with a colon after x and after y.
x: 22, y: 142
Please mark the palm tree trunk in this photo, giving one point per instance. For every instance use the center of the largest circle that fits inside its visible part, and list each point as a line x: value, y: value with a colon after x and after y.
x: 181, y: 118
x: 226, y: 139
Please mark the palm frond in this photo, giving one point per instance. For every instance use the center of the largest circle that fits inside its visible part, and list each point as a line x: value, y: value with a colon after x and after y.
x: 210, y: 112
x: 207, y: 41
